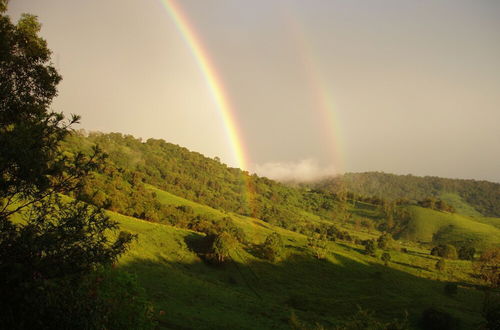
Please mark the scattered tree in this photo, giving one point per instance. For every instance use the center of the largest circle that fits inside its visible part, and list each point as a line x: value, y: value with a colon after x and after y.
x: 385, y: 241
x: 488, y: 267
x: 466, y: 252
x: 318, y: 244
x: 440, y: 265
x: 222, y: 247
x: 370, y: 247
x: 273, y: 247
x: 386, y: 257
x: 447, y: 251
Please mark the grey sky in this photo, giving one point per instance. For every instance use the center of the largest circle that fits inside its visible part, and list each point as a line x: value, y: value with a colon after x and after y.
x: 415, y: 84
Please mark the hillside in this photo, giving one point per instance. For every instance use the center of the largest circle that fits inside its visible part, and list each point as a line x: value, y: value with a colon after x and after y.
x: 198, y: 178
x: 435, y: 227
x: 180, y: 203
x: 254, y: 293
x: 140, y: 174
x: 470, y: 196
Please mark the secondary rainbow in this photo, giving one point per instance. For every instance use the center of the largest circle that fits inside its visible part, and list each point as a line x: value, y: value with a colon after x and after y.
x: 213, y: 81
x: 321, y: 95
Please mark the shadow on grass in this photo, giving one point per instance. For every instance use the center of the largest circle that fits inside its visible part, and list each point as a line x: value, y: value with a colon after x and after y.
x: 258, y: 294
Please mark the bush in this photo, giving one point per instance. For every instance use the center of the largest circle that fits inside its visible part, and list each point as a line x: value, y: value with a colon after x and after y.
x: 273, y: 247
x: 466, y: 252
x: 318, y: 245
x: 440, y: 265
x: 385, y: 241
x: 445, y: 251
x: 386, y: 257
x: 222, y: 246
x: 370, y: 247
x: 434, y: 319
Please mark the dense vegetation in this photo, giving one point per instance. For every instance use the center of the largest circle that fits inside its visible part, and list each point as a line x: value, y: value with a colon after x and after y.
x: 169, y: 167
x: 484, y: 196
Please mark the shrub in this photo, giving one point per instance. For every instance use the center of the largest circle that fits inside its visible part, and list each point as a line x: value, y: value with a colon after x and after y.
x: 273, y: 247
x: 466, y: 252
x: 318, y: 245
x: 385, y: 241
x: 222, y: 246
x: 445, y: 251
x: 386, y: 257
x: 370, y: 247
x: 440, y: 265
x: 487, y: 267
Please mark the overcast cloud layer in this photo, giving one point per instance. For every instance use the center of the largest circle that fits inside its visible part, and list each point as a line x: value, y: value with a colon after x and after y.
x: 415, y: 84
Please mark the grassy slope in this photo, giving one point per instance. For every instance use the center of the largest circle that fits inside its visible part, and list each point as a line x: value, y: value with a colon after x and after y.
x: 459, y: 204
x: 450, y: 227
x: 253, y: 293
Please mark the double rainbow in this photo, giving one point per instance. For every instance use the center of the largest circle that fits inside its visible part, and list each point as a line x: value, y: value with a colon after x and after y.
x: 323, y: 102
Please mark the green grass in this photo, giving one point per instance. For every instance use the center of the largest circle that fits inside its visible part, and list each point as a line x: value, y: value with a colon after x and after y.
x: 460, y: 205
x: 426, y: 225
x: 252, y: 293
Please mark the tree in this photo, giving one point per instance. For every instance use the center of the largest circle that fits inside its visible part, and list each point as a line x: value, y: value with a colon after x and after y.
x: 466, y: 252
x: 370, y: 247
x: 386, y: 257
x: 48, y: 245
x: 223, y: 244
x: 318, y: 244
x: 273, y: 247
x: 445, y: 251
x: 440, y: 265
x: 385, y: 241
x: 488, y: 267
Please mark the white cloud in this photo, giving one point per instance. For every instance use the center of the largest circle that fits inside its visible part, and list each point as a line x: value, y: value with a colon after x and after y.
x: 302, y: 170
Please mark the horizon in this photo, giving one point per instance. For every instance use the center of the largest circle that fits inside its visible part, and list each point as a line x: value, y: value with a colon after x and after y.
x: 312, y: 89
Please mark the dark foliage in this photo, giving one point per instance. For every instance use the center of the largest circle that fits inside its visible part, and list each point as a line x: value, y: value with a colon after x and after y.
x: 435, y: 319
x: 450, y: 289
x: 445, y: 251
x: 49, y: 248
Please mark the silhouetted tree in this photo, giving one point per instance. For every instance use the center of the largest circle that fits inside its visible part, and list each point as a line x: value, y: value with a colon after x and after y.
x: 54, y: 244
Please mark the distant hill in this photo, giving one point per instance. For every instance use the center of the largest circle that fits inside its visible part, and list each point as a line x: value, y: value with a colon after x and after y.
x: 436, y: 227
x: 470, y: 197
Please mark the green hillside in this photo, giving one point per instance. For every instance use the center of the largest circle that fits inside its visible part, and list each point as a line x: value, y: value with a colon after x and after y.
x: 430, y: 226
x: 253, y: 293
x: 473, y: 197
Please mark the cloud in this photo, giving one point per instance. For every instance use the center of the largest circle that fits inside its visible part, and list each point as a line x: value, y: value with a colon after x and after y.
x: 303, y: 170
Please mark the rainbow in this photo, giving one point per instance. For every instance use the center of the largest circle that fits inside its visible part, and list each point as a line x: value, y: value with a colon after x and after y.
x: 213, y: 81
x: 220, y: 98
x: 322, y: 97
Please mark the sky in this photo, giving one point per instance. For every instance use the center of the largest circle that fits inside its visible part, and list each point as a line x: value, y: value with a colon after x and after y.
x: 314, y: 88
